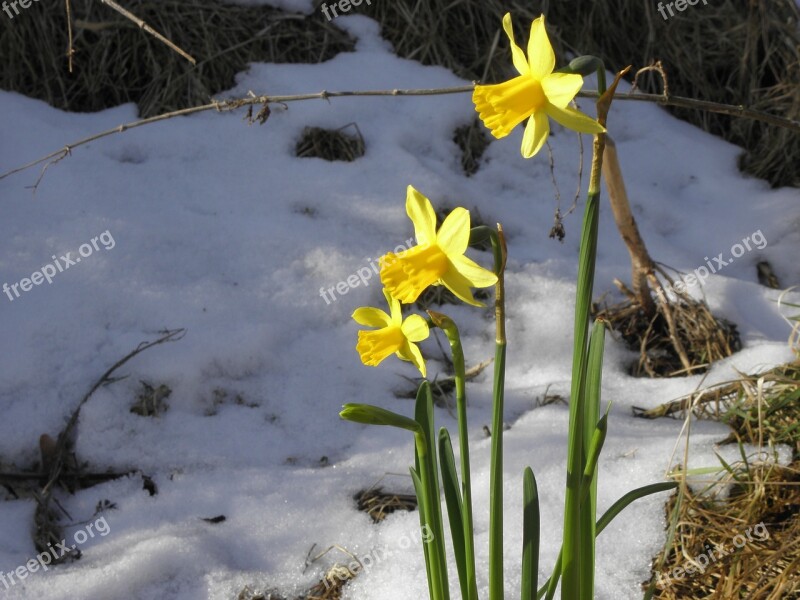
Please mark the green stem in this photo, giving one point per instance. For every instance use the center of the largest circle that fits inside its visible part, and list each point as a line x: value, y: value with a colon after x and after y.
x: 450, y: 329
x: 571, y: 555
x: 496, y: 469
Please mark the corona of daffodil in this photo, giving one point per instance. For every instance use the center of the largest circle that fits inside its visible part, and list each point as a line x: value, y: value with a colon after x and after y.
x: 537, y: 93
x: 394, y: 335
x: 437, y: 259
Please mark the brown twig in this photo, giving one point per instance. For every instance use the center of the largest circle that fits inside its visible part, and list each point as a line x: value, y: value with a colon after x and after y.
x: 46, y: 530
x: 142, y: 25
x: 236, y: 103
x: 70, y: 48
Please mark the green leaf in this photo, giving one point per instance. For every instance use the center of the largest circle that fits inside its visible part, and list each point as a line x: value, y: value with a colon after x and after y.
x: 423, y: 523
x: 608, y: 516
x: 452, y: 497
x: 530, y: 536
x: 429, y: 475
x: 593, y: 438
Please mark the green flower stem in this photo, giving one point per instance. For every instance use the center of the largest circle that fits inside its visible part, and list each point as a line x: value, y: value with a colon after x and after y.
x: 450, y: 329
x: 571, y: 563
x: 576, y: 585
x: 496, y: 469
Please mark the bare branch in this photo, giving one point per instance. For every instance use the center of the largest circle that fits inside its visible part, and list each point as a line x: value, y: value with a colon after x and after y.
x: 253, y: 100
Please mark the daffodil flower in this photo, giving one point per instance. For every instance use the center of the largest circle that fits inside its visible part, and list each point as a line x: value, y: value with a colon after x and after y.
x: 537, y: 93
x: 437, y: 259
x: 394, y: 335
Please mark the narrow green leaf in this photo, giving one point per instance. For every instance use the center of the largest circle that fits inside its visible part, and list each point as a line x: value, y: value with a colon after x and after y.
x: 608, y: 516
x: 429, y: 475
x: 571, y: 564
x: 590, y: 470
x: 629, y: 498
x: 423, y: 524
x: 530, y: 535
x: 593, y: 438
x: 452, y: 497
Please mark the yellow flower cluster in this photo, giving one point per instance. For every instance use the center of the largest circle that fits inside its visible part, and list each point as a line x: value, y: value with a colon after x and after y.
x: 437, y: 259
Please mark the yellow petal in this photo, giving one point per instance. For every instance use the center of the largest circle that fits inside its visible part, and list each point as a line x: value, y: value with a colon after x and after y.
x: 371, y: 317
x: 536, y: 132
x: 410, y: 352
x: 541, y: 58
x: 375, y: 346
x: 408, y: 274
x: 395, y: 312
x: 505, y: 105
x: 475, y: 274
x: 561, y: 88
x: 459, y: 285
x: 574, y: 119
x: 453, y: 235
x: 421, y: 213
x: 415, y: 328
x: 517, y: 55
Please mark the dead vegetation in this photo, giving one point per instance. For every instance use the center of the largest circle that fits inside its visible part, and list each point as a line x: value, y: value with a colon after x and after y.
x: 744, y: 546
x: 331, y: 144
x: 711, y: 552
x: 379, y: 504
x: 116, y: 63
x: 473, y: 141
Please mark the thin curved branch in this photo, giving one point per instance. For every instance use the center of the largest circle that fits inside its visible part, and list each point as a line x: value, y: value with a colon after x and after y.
x: 265, y: 100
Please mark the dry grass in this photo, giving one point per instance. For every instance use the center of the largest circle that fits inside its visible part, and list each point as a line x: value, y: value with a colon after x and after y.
x: 115, y: 62
x: 748, y: 545
x: 733, y: 51
x: 682, y: 338
x: 472, y: 140
x: 379, y: 504
x: 331, y: 144
x: 762, y: 409
x: 759, y: 408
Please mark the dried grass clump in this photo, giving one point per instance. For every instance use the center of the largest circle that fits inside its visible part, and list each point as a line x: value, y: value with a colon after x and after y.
x: 331, y: 144
x: 713, y: 534
x: 115, y: 62
x: 683, y: 337
x: 472, y: 141
x: 759, y: 408
x: 379, y: 504
x: 732, y: 52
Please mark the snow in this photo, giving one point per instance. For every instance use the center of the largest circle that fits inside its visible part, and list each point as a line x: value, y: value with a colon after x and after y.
x: 220, y: 229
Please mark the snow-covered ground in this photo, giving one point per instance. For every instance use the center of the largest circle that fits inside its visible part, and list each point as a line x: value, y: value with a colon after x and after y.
x: 217, y: 227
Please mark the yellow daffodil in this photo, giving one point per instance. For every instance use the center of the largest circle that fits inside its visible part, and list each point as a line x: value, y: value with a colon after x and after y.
x: 394, y: 335
x: 537, y: 93
x: 437, y: 259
